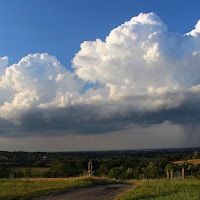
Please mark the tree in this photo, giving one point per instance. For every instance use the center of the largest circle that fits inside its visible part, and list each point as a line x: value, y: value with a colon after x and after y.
x: 103, y: 169
x: 151, y: 170
x: 196, y: 155
x: 130, y: 173
x: 169, y: 167
x: 115, y: 172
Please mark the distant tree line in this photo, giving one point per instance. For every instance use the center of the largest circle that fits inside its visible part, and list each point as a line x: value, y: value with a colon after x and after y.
x: 118, y: 166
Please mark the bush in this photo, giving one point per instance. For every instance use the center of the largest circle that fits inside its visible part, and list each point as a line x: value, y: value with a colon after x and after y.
x: 4, y: 172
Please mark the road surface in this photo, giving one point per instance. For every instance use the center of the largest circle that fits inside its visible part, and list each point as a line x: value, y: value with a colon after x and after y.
x: 101, y: 192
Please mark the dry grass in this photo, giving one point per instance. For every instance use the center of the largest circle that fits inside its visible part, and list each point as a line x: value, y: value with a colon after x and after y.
x: 36, y: 169
x: 193, y: 161
x: 63, y: 179
x: 179, y: 162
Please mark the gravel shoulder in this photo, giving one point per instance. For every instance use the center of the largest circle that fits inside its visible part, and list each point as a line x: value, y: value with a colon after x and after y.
x: 100, y: 192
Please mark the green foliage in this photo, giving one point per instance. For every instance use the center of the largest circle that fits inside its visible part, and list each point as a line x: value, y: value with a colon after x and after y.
x: 104, y: 169
x: 151, y: 170
x: 17, y: 174
x: 28, y: 173
x: 68, y: 167
x: 132, y: 173
x: 196, y: 155
x: 169, y: 167
x: 131, y: 164
x: 4, y: 172
x: 116, y: 173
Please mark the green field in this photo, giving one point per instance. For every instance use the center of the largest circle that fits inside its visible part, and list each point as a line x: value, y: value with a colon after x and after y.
x: 163, y: 190
x: 36, y: 172
x: 26, y: 188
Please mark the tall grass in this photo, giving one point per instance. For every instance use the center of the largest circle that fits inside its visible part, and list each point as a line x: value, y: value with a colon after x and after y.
x: 27, y: 188
x: 163, y: 190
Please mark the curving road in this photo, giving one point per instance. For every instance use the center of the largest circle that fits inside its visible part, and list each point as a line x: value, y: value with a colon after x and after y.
x: 101, y: 192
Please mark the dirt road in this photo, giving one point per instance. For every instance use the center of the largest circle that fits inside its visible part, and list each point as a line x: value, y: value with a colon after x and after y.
x: 101, y: 192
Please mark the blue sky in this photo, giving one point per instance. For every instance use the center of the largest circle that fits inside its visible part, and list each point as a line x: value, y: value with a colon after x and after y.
x: 59, y: 27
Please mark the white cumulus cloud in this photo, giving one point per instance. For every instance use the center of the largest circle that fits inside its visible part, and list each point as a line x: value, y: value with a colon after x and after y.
x: 36, y: 80
x: 141, y: 70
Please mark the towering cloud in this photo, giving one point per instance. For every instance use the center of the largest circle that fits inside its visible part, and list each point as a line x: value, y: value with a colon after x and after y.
x: 142, y: 74
x: 38, y: 80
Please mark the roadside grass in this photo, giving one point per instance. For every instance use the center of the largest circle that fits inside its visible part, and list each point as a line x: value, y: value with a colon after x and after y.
x: 163, y: 190
x: 133, y: 181
x: 22, y: 189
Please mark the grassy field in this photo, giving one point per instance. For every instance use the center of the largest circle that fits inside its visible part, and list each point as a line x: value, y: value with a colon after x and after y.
x: 26, y: 188
x: 35, y: 171
x: 163, y: 190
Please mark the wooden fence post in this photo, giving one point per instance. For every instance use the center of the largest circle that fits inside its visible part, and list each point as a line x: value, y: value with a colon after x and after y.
x: 167, y: 174
x: 171, y: 174
x: 183, y: 173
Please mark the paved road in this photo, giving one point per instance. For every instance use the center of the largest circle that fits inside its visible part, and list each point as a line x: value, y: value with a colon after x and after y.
x: 102, y: 192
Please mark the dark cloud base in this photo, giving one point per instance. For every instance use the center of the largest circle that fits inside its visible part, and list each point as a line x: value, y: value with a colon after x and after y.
x: 85, y: 119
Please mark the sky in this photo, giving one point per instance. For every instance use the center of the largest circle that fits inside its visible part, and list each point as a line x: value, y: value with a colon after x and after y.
x: 99, y: 75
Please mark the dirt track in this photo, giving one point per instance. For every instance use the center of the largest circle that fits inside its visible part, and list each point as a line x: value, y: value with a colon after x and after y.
x: 101, y: 192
